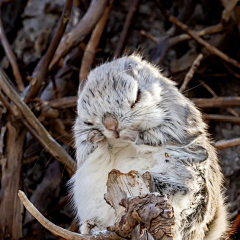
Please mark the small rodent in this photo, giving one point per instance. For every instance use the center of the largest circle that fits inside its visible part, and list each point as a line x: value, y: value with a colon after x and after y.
x: 130, y: 117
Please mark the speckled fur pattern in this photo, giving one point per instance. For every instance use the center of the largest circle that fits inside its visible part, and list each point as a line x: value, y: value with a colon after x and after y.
x: 160, y: 131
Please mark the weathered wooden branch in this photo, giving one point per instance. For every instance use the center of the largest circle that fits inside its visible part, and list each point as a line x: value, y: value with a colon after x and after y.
x: 230, y: 110
x: 48, y: 142
x: 149, y: 36
x: 216, y: 102
x: 221, y: 118
x: 11, y: 57
x: 228, y: 10
x: 42, y: 69
x: 126, y: 27
x: 91, y: 49
x: 184, y: 37
x: 84, y: 27
x: 129, y: 194
x: 61, y: 103
x: 58, y: 231
x: 223, y: 144
x: 10, y: 206
x: 208, y: 30
x: 213, y: 50
x: 191, y: 72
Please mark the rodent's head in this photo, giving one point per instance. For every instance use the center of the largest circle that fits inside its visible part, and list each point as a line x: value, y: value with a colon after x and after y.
x: 127, y: 93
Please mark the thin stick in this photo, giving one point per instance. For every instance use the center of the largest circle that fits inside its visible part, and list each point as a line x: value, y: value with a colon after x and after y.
x: 44, y: 222
x: 221, y: 118
x: 93, y: 43
x: 83, y: 28
x: 5, y: 102
x: 216, y: 102
x: 194, y: 35
x: 149, y: 36
x: 223, y: 144
x: 62, y: 103
x: 49, y: 143
x: 11, y: 57
x: 191, y: 72
x: 183, y: 37
x: 208, y: 30
x: 58, y: 231
x: 126, y: 27
x: 40, y: 73
x: 228, y: 10
x: 207, y: 45
x: 230, y: 110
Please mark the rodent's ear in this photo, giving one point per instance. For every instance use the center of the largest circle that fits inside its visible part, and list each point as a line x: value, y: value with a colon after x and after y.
x: 198, y: 153
x: 81, y: 86
x: 131, y: 69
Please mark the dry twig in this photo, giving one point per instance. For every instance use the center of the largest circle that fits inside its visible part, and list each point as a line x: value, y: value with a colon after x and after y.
x: 230, y: 110
x: 61, y: 103
x: 42, y: 69
x: 83, y: 28
x: 191, y: 72
x: 10, y: 206
x: 149, y: 36
x: 223, y: 144
x: 126, y: 27
x: 184, y: 37
x: 58, y: 231
x: 216, y: 102
x: 48, y: 142
x: 194, y: 35
x: 207, y: 45
x: 228, y: 10
x: 93, y: 43
x: 11, y: 57
x: 221, y: 118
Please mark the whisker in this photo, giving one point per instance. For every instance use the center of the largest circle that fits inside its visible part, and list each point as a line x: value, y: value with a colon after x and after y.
x: 193, y: 87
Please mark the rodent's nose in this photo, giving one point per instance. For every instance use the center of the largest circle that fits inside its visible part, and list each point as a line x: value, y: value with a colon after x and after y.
x: 111, y: 124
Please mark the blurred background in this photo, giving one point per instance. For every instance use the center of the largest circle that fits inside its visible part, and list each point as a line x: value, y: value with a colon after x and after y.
x: 97, y: 31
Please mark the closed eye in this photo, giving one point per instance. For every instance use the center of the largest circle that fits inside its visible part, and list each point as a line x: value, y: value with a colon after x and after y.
x: 88, y: 123
x: 137, y: 98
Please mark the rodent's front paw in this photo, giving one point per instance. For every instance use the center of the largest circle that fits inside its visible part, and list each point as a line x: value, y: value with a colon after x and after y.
x: 129, y: 135
x: 96, y: 138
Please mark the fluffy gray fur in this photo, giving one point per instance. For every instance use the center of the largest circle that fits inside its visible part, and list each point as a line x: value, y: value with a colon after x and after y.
x: 158, y: 130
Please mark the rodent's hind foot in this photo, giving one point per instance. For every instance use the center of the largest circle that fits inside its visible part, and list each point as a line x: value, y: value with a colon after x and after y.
x: 87, y: 226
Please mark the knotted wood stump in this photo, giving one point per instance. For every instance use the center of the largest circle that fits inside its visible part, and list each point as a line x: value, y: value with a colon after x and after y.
x: 140, y: 213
